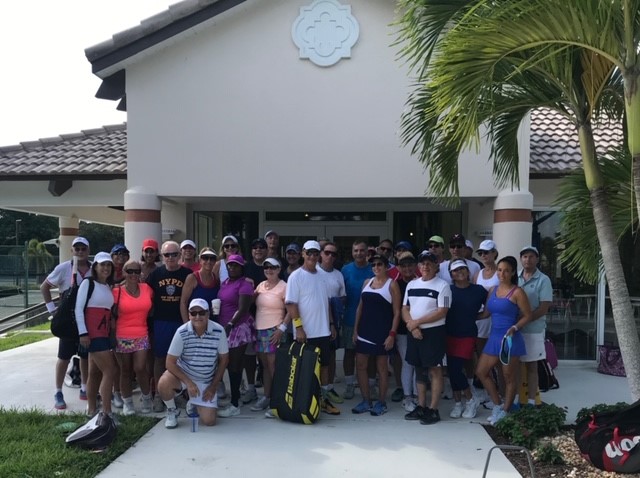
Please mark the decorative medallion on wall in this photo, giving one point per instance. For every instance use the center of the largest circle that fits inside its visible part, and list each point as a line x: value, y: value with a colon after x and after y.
x: 325, y: 32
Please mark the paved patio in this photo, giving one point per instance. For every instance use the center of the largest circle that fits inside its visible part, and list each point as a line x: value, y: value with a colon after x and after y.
x: 346, y: 445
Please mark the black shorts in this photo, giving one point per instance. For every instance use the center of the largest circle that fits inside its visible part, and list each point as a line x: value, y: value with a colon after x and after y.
x: 67, y: 348
x: 430, y: 351
x: 324, y: 344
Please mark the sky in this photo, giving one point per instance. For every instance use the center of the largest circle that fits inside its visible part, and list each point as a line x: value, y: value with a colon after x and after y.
x: 46, y: 84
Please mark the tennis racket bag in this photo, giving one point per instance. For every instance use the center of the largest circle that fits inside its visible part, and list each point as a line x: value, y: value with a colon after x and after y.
x: 609, y: 440
x: 97, y: 434
x: 295, y: 394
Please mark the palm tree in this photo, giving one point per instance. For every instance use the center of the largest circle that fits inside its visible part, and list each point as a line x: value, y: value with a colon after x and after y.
x: 486, y: 64
x: 40, y: 257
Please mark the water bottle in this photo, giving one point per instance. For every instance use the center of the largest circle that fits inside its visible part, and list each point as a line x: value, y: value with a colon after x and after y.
x: 195, y: 419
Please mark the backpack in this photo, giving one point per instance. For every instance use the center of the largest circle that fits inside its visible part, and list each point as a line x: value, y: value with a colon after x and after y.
x: 609, y: 440
x: 546, y: 378
x: 63, y: 323
x: 97, y: 434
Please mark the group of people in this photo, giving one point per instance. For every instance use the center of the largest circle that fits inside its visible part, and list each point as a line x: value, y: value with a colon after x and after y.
x: 175, y: 327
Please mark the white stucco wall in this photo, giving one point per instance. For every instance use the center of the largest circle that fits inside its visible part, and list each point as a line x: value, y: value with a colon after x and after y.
x: 232, y: 111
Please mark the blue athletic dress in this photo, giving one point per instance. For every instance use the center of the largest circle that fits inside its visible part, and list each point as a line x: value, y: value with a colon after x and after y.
x: 504, y: 314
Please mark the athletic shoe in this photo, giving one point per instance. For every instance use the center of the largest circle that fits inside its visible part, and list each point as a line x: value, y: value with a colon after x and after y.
x: 481, y: 396
x: 470, y: 409
x: 456, y: 411
x: 158, y: 404
x: 172, y: 418
x: 249, y: 396
x: 230, y: 411
x: 494, y: 413
x: 430, y: 417
x: 329, y: 408
x: 334, y: 396
x: 147, y: 405
x: 349, y: 392
x: 397, y: 395
x: 363, y: 407
x: 116, y: 400
x: 191, y: 409
x: 261, y: 404
x: 269, y: 414
x: 418, y: 413
x: 83, y: 395
x: 409, y: 404
x: 515, y: 406
x: 60, y: 403
x: 498, y: 416
x: 128, y: 409
x: 380, y: 408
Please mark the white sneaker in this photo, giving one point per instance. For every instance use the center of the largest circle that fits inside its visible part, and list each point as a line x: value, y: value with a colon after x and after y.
x: 494, y: 413
x: 261, y: 404
x: 498, y: 416
x: 470, y: 409
x: 228, y: 412
x: 172, y: 418
x: 128, y: 408
x: 409, y: 404
x: 456, y: 412
x: 116, y: 400
x: 269, y: 414
x: 249, y: 396
x: 147, y: 405
x: 481, y: 396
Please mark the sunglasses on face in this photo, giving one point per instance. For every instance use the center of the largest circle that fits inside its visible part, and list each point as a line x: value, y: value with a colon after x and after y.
x: 171, y: 254
x: 270, y: 268
x: 377, y: 264
x: 483, y: 253
x: 200, y: 313
x: 230, y: 246
x: 133, y: 271
x: 208, y: 258
x: 330, y: 253
x: 385, y: 248
x: 434, y: 244
x: 122, y: 253
x: 456, y: 246
x: 312, y: 253
x: 293, y: 253
x: 149, y: 251
x: 461, y: 269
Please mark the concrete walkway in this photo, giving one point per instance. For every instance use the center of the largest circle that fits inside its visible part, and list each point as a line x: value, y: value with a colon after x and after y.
x: 346, y: 445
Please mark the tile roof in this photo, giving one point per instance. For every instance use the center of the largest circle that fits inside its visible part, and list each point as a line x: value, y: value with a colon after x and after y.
x: 554, y: 142
x: 102, y: 152
x: 99, y: 153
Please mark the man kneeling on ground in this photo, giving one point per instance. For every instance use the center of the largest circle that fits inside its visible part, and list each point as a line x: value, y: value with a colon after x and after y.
x: 196, y: 361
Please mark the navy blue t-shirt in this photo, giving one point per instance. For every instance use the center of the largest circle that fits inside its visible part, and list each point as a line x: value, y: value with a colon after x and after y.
x: 465, y: 305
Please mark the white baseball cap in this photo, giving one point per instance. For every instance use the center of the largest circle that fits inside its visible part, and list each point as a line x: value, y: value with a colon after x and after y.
x: 102, y: 257
x: 187, y: 242
x: 80, y: 240
x: 203, y: 304
x: 310, y: 245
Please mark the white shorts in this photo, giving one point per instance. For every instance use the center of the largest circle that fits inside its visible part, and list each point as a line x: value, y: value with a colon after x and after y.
x: 484, y: 327
x: 534, y: 344
x: 198, y: 400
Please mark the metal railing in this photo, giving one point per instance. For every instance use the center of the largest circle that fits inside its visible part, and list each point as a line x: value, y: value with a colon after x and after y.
x: 34, y: 315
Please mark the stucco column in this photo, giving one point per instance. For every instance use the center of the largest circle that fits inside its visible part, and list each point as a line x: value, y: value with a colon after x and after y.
x: 512, y: 222
x: 141, y: 218
x: 69, y: 227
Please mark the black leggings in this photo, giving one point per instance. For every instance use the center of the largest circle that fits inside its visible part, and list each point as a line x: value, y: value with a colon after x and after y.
x: 457, y: 376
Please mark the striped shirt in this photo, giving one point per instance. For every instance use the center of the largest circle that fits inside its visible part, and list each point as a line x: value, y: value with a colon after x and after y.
x: 424, y: 297
x: 198, y: 355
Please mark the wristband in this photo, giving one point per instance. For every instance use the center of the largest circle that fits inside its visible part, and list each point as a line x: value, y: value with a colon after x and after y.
x: 282, y: 327
x: 392, y: 333
x: 51, y: 307
x: 297, y: 322
x: 515, y: 327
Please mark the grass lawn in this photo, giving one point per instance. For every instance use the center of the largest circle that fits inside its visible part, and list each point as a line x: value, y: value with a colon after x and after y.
x: 33, y: 446
x: 21, y: 337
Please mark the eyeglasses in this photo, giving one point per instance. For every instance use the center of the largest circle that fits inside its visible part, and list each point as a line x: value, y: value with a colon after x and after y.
x: 208, y: 258
x: 230, y: 246
x: 330, y: 253
x: 133, y: 271
x: 385, y: 248
x: 200, y: 313
x: 171, y: 254
x: 312, y: 253
x: 377, y: 264
x: 434, y: 244
x: 270, y: 268
x: 457, y: 246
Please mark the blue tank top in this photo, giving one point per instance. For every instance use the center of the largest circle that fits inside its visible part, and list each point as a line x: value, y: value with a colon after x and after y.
x: 201, y: 291
x: 504, y: 313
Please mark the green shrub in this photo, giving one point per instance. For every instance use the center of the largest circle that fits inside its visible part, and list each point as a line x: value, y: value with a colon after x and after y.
x: 526, y: 426
x: 599, y: 408
x: 548, y: 453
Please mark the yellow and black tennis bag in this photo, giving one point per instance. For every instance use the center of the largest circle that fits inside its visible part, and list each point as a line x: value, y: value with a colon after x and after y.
x: 295, y: 394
